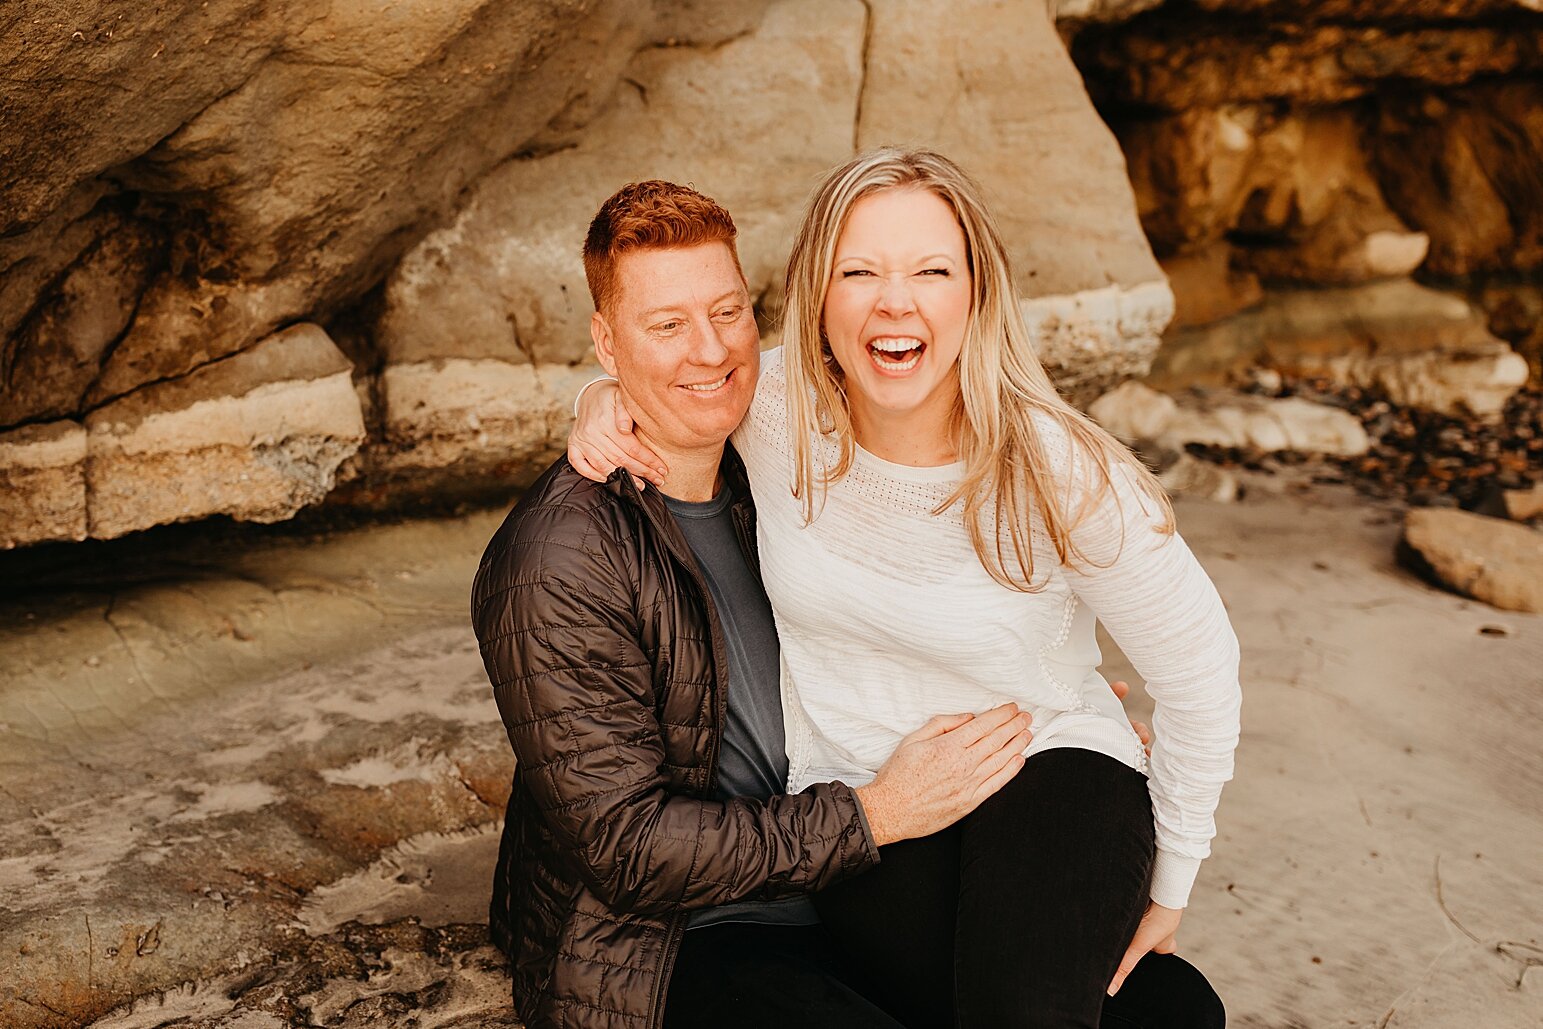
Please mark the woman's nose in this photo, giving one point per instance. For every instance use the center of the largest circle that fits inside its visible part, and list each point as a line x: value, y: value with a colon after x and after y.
x: 896, y: 297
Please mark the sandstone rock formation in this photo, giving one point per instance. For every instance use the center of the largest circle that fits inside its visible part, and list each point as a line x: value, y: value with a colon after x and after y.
x: 503, y: 282
x: 289, y: 152
x: 1489, y: 559
x: 257, y: 436
x: 418, y: 180
x: 1207, y: 288
x: 179, y: 184
x: 43, y: 476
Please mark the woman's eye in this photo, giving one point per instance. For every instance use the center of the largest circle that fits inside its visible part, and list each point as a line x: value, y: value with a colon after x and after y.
x: 936, y: 271
x: 850, y: 272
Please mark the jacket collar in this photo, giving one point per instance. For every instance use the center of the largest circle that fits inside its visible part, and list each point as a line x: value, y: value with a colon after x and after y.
x: 651, y: 503
x: 732, y: 468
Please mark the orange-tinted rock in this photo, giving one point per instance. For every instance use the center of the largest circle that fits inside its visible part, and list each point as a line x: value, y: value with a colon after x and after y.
x: 1206, y: 288
x: 1464, y: 168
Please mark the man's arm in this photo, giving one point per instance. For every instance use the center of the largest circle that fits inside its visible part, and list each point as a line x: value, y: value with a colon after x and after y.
x: 575, y: 690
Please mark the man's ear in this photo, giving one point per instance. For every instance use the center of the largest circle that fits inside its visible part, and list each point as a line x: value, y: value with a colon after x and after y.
x: 605, y: 343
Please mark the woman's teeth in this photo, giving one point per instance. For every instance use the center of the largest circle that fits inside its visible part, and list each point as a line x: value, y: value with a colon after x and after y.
x: 708, y: 387
x: 897, y: 354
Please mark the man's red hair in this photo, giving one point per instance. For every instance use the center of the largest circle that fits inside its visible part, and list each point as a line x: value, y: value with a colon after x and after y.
x: 652, y: 215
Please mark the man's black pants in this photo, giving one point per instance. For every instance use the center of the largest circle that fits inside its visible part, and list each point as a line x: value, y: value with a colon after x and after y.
x: 1016, y: 916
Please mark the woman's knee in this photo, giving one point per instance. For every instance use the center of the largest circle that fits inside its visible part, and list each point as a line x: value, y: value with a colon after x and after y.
x: 1164, y: 991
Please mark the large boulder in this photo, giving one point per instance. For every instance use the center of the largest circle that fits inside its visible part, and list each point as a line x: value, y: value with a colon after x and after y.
x: 752, y: 123
x: 1489, y: 559
x: 291, y: 150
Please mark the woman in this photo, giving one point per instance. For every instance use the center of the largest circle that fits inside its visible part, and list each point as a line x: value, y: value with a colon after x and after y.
x: 939, y: 531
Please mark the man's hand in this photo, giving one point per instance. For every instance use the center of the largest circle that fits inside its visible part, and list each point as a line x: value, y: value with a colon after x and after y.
x: 942, y: 772
x: 1121, y: 689
x: 1155, y: 934
x: 603, y: 440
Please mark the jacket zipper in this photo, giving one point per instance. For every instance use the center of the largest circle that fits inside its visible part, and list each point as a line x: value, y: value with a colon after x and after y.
x: 720, y: 665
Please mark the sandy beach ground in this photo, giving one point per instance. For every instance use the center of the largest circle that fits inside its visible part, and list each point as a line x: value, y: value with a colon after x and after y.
x: 251, y: 780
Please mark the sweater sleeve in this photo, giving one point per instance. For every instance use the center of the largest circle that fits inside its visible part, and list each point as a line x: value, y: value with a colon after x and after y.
x: 556, y: 624
x: 1159, y: 605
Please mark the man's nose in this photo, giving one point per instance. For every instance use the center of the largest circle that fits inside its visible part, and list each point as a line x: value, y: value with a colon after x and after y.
x: 709, y: 349
x: 895, y: 296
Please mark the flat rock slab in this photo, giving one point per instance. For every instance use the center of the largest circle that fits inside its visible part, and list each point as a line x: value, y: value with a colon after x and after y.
x: 1489, y: 559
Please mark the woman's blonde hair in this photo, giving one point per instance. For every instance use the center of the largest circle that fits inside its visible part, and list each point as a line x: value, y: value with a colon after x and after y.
x: 1003, y: 386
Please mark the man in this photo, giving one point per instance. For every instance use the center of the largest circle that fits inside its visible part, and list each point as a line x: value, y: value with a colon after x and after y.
x: 652, y: 873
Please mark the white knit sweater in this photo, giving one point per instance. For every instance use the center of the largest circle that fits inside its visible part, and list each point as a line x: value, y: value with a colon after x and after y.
x: 887, y: 617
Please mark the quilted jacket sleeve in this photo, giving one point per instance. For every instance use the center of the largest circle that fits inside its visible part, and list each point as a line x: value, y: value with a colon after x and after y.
x: 559, y: 634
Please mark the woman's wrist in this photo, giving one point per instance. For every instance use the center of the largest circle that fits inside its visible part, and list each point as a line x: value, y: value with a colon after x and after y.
x: 1173, y: 877
x: 585, y: 389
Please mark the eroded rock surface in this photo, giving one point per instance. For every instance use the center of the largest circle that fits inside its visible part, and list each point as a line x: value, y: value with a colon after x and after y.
x: 257, y: 436
x: 991, y: 85
x: 1331, y: 143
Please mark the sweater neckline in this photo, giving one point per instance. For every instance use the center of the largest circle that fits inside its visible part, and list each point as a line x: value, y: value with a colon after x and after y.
x: 951, y: 472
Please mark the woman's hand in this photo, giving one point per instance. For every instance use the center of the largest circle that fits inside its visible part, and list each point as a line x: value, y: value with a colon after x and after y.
x: 1155, y: 934
x: 603, y: 440
x: 1121, y: 689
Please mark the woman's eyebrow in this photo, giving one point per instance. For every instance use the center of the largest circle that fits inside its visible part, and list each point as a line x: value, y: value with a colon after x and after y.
x: 919, y: 260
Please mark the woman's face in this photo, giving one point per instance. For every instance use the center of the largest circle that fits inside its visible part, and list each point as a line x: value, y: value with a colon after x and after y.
x: 898, y: 301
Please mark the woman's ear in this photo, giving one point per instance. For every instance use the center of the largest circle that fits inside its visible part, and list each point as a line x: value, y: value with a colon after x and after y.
x: 605, y: 342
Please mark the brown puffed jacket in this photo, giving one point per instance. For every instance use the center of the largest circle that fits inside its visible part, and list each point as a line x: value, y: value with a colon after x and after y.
x: 609, y: 667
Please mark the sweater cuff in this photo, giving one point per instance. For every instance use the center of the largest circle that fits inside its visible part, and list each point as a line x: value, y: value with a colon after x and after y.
x: 1173, y: 876
x: 585, y: 389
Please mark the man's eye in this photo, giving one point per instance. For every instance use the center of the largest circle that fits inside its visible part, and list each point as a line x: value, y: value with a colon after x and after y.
x: 728, y: 314
x: 667, y: 326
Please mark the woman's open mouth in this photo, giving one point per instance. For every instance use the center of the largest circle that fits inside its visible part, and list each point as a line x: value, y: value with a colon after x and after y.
x: 896, y: 353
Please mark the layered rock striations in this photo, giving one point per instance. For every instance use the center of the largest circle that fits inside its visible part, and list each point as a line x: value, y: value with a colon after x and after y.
x: 177, y: 185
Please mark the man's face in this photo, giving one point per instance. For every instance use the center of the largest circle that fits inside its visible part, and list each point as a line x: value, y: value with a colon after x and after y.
x: 680, y: 337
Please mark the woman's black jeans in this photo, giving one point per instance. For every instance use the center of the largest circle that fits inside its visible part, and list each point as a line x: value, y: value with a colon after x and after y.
x: 1016, y: 916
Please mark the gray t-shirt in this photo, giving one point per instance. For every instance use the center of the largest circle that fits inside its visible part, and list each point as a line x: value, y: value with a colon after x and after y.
x: 752, y: 757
